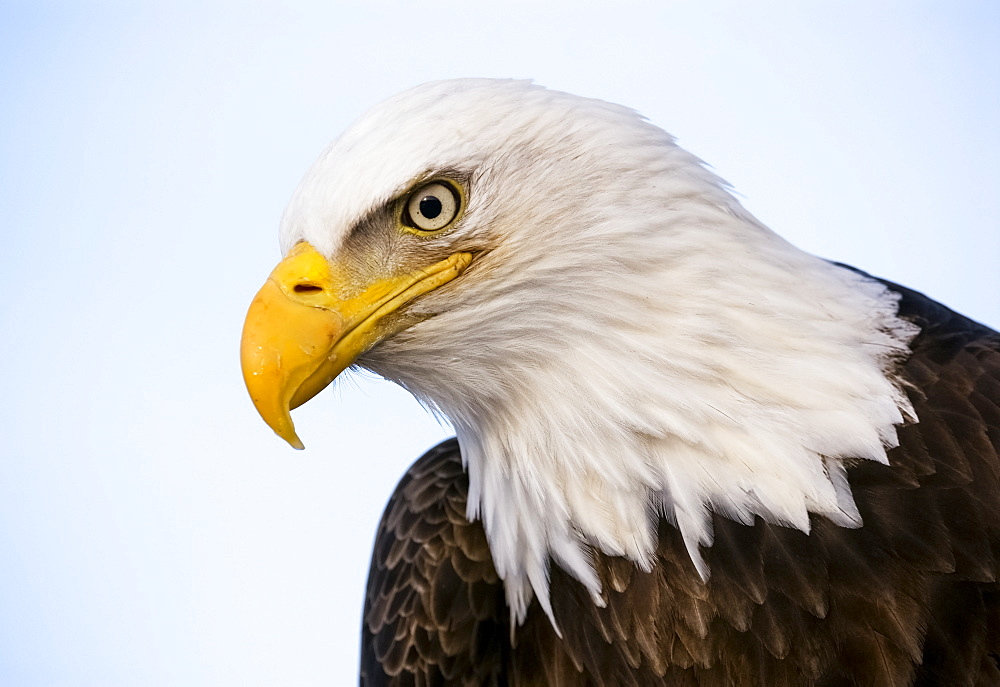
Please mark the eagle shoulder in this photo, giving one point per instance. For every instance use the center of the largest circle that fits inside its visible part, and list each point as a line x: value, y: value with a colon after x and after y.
x: 434, y: 609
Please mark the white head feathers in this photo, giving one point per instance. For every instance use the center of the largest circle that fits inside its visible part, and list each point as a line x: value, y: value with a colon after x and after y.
x: 629, y: 341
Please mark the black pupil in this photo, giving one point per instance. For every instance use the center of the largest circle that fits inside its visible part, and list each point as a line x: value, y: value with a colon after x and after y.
x: 430, y: 206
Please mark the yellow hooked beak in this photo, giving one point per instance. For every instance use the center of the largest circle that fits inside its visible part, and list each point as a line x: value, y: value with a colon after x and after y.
x: 301, y: 331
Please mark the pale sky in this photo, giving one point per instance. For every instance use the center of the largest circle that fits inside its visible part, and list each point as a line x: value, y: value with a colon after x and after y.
x: 152, y: 530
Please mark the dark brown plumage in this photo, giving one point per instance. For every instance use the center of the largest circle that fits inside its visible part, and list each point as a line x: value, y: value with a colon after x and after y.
x: 910, y: 598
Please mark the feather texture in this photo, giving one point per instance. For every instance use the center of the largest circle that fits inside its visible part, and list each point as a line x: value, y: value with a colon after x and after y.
x: 909, y: 599
x: 690, y: 452
x: 629, y: 341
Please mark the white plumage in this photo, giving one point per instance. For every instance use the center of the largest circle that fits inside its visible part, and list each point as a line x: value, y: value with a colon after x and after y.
x: 614, y: 269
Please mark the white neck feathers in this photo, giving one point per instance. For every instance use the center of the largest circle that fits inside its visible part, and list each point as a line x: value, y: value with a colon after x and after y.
x: 630, y: 342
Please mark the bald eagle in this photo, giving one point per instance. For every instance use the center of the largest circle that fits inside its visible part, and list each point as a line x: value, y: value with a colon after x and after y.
x: 688, y: 453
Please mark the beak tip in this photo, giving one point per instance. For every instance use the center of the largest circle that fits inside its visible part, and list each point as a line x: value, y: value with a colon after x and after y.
x: 286, y: 430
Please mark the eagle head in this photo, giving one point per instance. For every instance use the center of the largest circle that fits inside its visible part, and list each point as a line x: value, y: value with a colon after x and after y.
x: 613, y: 336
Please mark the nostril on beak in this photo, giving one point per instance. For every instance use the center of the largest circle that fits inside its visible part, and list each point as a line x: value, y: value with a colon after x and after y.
x: 307, y: 288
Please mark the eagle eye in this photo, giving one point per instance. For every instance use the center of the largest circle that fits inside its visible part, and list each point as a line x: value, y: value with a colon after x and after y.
x: 432, y: 206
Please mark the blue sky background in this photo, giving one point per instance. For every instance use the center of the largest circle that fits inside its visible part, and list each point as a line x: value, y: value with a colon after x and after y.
x: 152, y: 530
